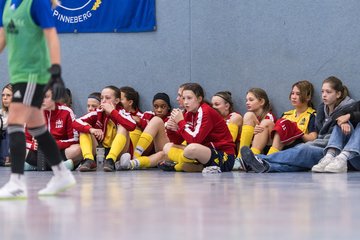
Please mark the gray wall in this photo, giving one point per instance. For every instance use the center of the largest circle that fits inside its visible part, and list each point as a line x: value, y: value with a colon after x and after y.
x: 224, y: 45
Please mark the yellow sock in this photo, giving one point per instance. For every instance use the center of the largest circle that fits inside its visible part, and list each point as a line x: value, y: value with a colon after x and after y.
x: 177, y: 155
x: 272, y: 150
x: 144, y: 142
x: 179, y: 167
x: 255, y: 150
x: 86, y: 145
x: 234, y: 130
x: 135, y: 136
x: 247, y: 134
x: 117, y: 146
x: 142, y: 162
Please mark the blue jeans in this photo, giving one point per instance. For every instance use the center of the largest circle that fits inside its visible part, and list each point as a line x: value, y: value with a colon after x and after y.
x: 299, y: 158
x: 4, y: 148
x: 340, y: 141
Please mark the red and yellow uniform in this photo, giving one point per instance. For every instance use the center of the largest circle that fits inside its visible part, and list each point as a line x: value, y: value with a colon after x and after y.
x: 108, y: 124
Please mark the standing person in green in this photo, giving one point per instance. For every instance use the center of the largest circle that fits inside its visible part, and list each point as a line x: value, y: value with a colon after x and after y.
x: 28, y: 31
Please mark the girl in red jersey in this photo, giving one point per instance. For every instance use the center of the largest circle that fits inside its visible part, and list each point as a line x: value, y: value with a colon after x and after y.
x: 93, y: 101
x: 153, y: 136
x: 222, y: 102
x: 258, y: 121
x: 109, y: 125
x: 209, y: 142
x: 59, y: 118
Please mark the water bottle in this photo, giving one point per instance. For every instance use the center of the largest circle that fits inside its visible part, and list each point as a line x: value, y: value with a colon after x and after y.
x: 100, y: 156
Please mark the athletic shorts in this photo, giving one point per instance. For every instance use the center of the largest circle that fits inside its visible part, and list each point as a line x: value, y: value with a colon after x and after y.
x: 221, y: 159
x: 287, y: 130
x: 29, y: 94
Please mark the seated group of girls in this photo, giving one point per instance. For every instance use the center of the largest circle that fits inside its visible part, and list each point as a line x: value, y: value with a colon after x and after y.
x: 195, y: 135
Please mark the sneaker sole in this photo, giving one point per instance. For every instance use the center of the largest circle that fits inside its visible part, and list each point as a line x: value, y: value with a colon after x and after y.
x: 13, y: 198
x: 249, y: 158
x: 335, y: 170
x: 57, y: 192
x: 317, y: 170
x: 87, y: 170
x: 107, y: 169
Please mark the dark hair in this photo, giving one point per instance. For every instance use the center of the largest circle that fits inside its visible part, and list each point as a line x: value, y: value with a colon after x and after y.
x: 95, y: 95
x: 226, y: 95
x: 67, y: 99
x: 338, y: 86
x: 195, y: 88
x: 131, y: 94
x: 164, y: 97
x: 115, y: 89
x: 306, y: 91
x: 7, y: 86
x: 261, y: 94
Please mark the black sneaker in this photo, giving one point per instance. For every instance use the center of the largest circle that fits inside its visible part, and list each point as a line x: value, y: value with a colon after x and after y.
x: 167, y: 165
x: 255, y: 162
x: 88, y: 165
x: 109, y: 165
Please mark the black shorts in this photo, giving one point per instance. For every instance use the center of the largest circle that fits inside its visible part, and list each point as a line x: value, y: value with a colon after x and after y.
x: 29, y: 94
x: 221, y: 159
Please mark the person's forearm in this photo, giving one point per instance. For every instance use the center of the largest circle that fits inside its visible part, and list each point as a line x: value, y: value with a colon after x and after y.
x: 2, y: 39
x: 53, y: 45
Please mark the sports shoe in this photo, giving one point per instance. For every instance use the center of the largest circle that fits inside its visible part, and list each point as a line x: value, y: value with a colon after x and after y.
x: 88, y: 165
x: 109, y: 165
x: 255, y: 162
x: 239, y: 165
x: 211, y: 170
x: 320, y: 167
x: 124, y: 162
x: 58, y: 183
x: 13, y: 190
x: 167, y: 165
x: 337, y: 166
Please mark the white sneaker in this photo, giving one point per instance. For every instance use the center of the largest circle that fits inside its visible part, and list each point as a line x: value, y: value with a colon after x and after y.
x: 320, y: 167
x: 124, y: 162
x: 337, y: 166
x: 58, y: 183
x: 13, y: 190
x: 237, y: 164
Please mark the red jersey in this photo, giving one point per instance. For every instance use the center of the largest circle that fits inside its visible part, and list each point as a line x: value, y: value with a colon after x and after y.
x: 59, y: 123
x: 147, y: 116
x: 206, y: 127
x: 99, y: 119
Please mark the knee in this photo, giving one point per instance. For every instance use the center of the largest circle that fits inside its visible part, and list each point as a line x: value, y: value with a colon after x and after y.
x: 249, y: 119
x: 190, y: 150
x: 167, y: 147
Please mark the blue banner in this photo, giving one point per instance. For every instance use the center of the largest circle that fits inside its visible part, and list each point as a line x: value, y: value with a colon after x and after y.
x: 84, y: 16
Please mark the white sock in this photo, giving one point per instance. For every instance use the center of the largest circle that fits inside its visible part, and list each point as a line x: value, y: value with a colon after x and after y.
x: 346, y: 155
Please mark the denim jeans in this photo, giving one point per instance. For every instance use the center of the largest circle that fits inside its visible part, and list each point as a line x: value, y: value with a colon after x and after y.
x: 4, y: 148
x: 340, y: 141
x: 299, y: 158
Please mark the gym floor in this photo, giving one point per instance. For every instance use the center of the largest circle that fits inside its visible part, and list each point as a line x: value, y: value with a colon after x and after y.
x: 152, y: 204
